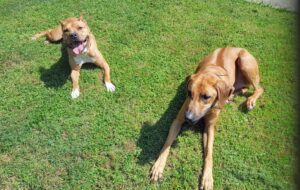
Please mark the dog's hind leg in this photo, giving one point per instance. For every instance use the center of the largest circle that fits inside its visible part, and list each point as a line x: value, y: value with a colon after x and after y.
x: 40, y: 34
x: 52, y: 35
x: 249, y: 69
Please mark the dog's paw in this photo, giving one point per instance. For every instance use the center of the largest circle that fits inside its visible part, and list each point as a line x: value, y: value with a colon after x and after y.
x: 230, y: 99
x: 206, y: 182
x: 157, y: 170
x: 250, y: 103
x: 33, y: 37
x: 244, y: 90
x: 110, y: 87
x: 75, y: 93
x: 46, y: 42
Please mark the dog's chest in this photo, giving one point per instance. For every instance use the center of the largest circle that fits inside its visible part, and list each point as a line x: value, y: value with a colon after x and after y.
x: 83, y: 58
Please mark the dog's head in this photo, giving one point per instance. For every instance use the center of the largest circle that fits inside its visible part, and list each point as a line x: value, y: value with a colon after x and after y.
x: 75, y: 33
x: 206, y: 91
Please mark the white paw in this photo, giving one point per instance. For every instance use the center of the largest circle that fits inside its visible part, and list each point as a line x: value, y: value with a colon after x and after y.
x: 250, y: 103
x: 110, y: 87
x: 75, y: 93
x: 207, y: 182
x: 250, y: 107
x: 157, y: 170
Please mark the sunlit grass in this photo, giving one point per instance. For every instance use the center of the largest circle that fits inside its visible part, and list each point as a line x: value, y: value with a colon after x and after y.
x: 109, y: 141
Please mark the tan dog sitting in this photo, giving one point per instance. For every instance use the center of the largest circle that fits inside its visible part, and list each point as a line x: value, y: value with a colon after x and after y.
x: 82, y: 48
x: 219, y: 74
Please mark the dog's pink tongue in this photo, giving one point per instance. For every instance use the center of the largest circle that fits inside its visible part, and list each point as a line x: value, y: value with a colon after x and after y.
x: 78, y: 49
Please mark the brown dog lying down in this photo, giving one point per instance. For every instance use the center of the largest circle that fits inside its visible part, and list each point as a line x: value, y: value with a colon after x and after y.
x: 81, y: 46
x: 218, y: 76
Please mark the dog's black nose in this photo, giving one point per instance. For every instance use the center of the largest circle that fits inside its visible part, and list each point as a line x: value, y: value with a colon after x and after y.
x: 73, y: 36
x: 187, y: 118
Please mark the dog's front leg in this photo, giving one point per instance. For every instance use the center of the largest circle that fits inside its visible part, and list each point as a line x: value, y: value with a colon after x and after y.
x: 158, y: 167
x: 75, y: 83
x: 101, y: 62
x: 208, y: 141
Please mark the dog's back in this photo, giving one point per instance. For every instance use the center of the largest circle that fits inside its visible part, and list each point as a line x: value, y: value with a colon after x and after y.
x: 228, y: 59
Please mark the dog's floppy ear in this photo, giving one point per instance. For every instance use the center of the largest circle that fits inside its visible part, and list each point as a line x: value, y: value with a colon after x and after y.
x: 188, y: 79
x: 223, y: 92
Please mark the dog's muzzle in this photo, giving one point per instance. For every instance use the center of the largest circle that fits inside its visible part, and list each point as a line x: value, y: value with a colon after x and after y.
x: 189, y: 117
x: 74, y: 36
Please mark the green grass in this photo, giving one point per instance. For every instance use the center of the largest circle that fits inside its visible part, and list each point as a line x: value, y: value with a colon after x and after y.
x: 109, y: 141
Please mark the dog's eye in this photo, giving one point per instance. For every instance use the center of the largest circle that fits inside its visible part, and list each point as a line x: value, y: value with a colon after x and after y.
x: 80, y: 28
x: 205, y: 96
x: 189, y: 93
x: 65, y: 30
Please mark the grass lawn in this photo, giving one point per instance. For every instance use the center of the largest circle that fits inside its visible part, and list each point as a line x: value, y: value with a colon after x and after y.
x: 110, y: 140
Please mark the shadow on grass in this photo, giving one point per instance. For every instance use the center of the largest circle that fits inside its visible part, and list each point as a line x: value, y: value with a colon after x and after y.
x: 153, y: 136
x: 58, y: 74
